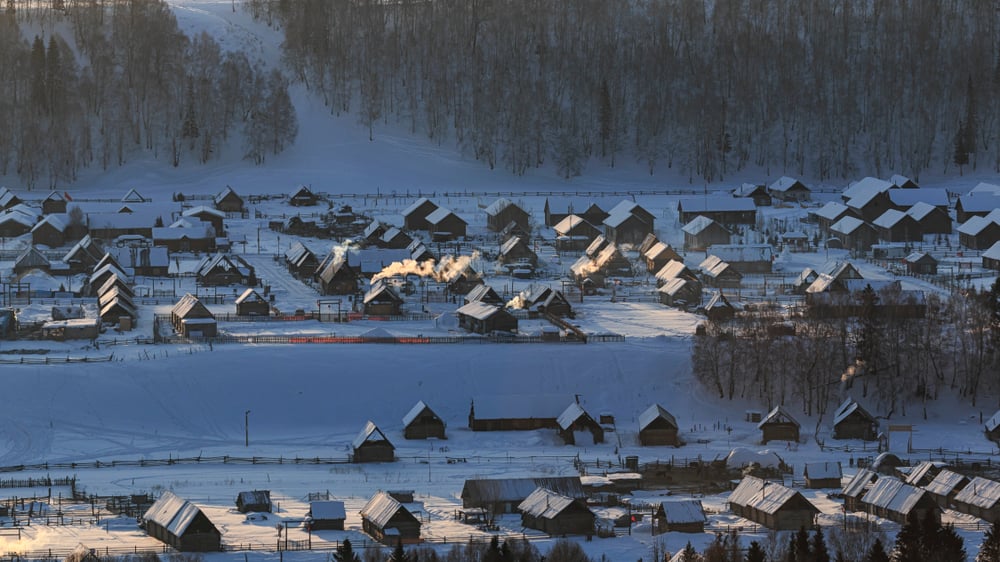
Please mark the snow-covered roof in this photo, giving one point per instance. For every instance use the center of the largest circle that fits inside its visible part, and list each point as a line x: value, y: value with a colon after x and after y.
x: 654, y: 412
x: 748, y: 189
x: 478, y: 310
x: 893, y: 494
x: 822, y: 470
x: 784, y: 183
x: 416, y: 205
x: 922, y: 471
x: 831, y: 211
x: 740, y: 457
x: 370, y: 432
x: 983, y: 187
x: 297, y: 253
x: 55, y: 220
x: 658, y: 249
x: 172, y: 512
x: 697, y: 225
x: 326, y: 510
x: 250, y: 295
x: 762, y: 495
x: 570, y: 415
x: 910, y: 197
x: 900, y: 180
x: 186, y: 305
x: 847, y: 225
x: 544, y: 503
x: 673, y: 286
x: 994, y: 420
x: 865, y: 188
x: 742, y: 252
x: 920, y: 210
x: 381, y: 508
x: 495, y: 207
x: 203, y: 210
x: 15, y: 215
x: 945, y: 482
x: 777, y: 415
x: 980, y: 492
x: 673, y: 269
x: 859, y: 483
x: 441, y: 214
x: 974, y: 225
x: 414, y: 412
x: 889, y: 218
x: 848, y: 407
x: 569, y: 223
x: 511, y: 406
x: 133, y: 196
x: 980, y: 202
x: 221, y: 196
x: 714, y: 267
x: 682, y: 511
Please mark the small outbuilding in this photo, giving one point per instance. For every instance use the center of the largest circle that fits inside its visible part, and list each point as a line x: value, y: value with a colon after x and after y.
x: 191, y: 318
x: 681, y: 516
x: 255, y: 500
x: 371, y: 445
x: 422, y: 423
x: 993, y: 428
x: 250, y: 303
x: 556, y: 514
x: 575, y: 419
x: 326, y: 515
x: 181, y: 525
x: 382, y: 300
x: 778, y: 425
x: 302, y: 197
x: 825, y: 474
x: 483, y: 318
x: 388, y: 521
x: 851, y: 421
x: 658, y: 427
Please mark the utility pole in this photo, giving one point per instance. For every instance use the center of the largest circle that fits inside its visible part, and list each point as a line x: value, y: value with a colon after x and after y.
x: 246, y: 428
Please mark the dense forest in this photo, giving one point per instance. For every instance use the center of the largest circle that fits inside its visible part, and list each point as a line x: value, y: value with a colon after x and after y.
x: 896, y: 361
x: 821, y: 88
x: 112, y: 77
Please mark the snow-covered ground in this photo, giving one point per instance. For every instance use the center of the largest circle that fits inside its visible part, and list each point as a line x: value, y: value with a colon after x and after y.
x: 306, y: 401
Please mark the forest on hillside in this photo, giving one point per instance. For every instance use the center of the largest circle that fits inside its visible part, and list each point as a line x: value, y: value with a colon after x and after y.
x: 109, y: 78
x: 822, y: 88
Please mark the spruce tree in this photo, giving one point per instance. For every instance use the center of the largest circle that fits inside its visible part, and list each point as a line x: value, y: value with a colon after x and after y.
x: 877, y: 552
x: 819, y: 551
x: 345, y: 553
x: 689, y: 554
x: 989, y: 551
x: 908, y: 541
x: 755, y: 553
x: 802, y: 551
x: 950, y: 546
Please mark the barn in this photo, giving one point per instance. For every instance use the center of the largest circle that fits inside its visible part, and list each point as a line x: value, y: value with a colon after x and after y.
x: 826, y: 474
x: 326, y: 515
x: 382, y: 300
x: 181, y: 525
x: 657, y: 427
x: 517, y: 412
x: 680, y: 516
x: 388, y: 521
x: 371, y: 445
x: 575, y: 419
x: 422, y: 423
x: 503, y: 495
x: 851, y: 421
x: 250, y: 303
x: 556, y: 514
x: 778, y: 425
x: 771, y: 505
x: 254, y: 500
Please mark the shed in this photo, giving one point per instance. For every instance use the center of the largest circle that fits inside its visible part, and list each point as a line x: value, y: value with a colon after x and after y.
x: 483, y: 293
x: 50, y: 231
x: 301, y: 262
x: 789, y: 190
x: 181, y: 525
x: 921, y: 263
x: 702, y: 232
x: 825, y: 474
x: 993, y: 427
x: 778, y: 425
x: 302, y: 197
x: 444, y: 224
x: 191, y: 318
x: 980, y: 498
x: 382, y: 300
x: 326, y: 515
x: 250, y: 303
x: 482, y: 318
x: 657, y: 427
x: 371, y: 445
x: 772, y: 505
x: 31, y: 259
x: 681, y: 516
x: 254, y: 500
x: 556, y: 514
x: 71, y: 329
x: 658, y: 255
x: 503, y: 495
x: 336, y: 277
x: 575, y: 419
x: 228, y: 201
x: 422, y: 423
x: 517, y: 412
x: 680, y: 292
x: 851, y: 421
x: 388, y: 521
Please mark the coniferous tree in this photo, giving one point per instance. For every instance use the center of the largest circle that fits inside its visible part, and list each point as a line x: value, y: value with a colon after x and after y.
x: 960, y: 152
x: 877, y: 552
x: 755, y: 553
x: 989, y: 551
x: 803, y: 552
x: 949, y: 545
x: 819, y: 551
x: 345, y: 552
x: 908, y: 547
x: 689, y: 554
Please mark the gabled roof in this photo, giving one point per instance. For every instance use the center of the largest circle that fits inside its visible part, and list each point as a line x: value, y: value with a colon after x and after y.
x: 370, y: 432
x: 777, y: 415
x: 302, y: 191
x: 822, y: 470
x: 31, y: 258
x: 698, y: 224
x: 749, y: 190
x: 682, y: 511
x: 859, y: 483
x: 899, y: 180
x: 16, y: 215
x: 478, y: 310
x: 133, y: 196
x: 570, y: 415
x: 416, y: 205
x: 673, y: 286
x: 254, y: 497
x: 517, y: 489
x: 483, y: 293
x: 203, y: 210
x: 848, y: 407
x: 980, y: 492
x: 894, y: 495
x: 659, y: 249
x: 767, y: 497
x: 946, y: 482
x: 979, y: 202
x: 440, y: 214
x: 187, y: 305
x: 381, y: 292
x: 415, y: 411
x: 569, y: 223
x: 920, y: 210
x: 327, y: 509
x: 674, y: 269
x: 786, y: 183
x: 382, y: 508
x: 172, y: 513
x: 534, y: 293
x: 847, y: 225
x: 743, y: 252
x: 983, y: 187
x: 974, y: 226
x: 54, y: 220
x: 298, y: 253
x: 7, y: 198
x: 994, y: 421
x: 499, y: 205
x: 889, y: 219
x: 831, y: 211
x: 865, y: 188
x: 250, y: 295
x: 925, y: 470
x: 544, y: 503
x: 653, y: 413
x: 226, y: 191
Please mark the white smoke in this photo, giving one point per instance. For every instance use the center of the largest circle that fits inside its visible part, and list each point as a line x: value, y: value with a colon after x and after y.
x: 852, y: 371
x: 445, y: 271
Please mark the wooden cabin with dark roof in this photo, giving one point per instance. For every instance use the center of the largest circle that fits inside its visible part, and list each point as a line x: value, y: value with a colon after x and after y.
x: 302, y: 197
x: 50, y: 231
x: 191, y: 318
x: 258, y: 501
x: 502, y: 212
x: 931, y: 219
x: 388, y: 521
x: 778, y: 425
x: 556, y: 514
x: 516, y: 250
x: 575, y: 419
x: 422, y: 423
x: 702, y: 232
x: 485, y: 294
x: 503, y: 495
x: 8, y: 199
x: 30, y: 259
x: 772, y: 505
x: 228, y: 201
x: 301, y: 261
x: 856, y: 488
x: 658, y: 255
x: 371, y: 445
x: 574, y: 233
x: 657, y: 426
x: 336, y: 277
x: 225, y: 269
x: 84, y: 255
x: 921, y: 263
x: 326, y: 515
x: 851, y: 421
x: 251, y: 303
x: 558, y: 208
x: 181, y: 525
x: 755, y: 192
x: 482, y: 318
x: 979, y: 233
x: 628, y: 223
x: 415, y: 216
x: 679, y: 516
x: 945, y: 486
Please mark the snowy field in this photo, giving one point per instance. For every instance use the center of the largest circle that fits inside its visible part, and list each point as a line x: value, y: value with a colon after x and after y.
x: 308, y: 401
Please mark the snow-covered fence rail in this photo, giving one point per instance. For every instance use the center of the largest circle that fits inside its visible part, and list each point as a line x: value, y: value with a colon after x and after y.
x: 41, y: 482
x: 47, y: 360
x: 419, y: 339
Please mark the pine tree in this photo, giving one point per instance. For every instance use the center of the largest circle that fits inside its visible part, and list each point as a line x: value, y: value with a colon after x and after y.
x: 802, y: 550
x: 930, y: 536
x: 38, y: 88
x: 755, y: 553
x: 877, y: 552
x: 949, y: 545
x: 345, y: 552
x: 989, y: 551
x: 819, y: 551
x: 689, y: 554
x: 908, y: 541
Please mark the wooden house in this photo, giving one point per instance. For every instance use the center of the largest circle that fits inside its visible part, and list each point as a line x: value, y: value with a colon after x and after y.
x: 394, y: 238
x: 904, y: 199
x: 778, y: 425
x: 485, y: 294
x: 14, y: 222
x: 482, y: 318
x: 902, y: 182
x: 422, y: 423
x: 679, y: 292
x: 863, y: 190
x: 8, y: 199
x: 991, y: 257
x: 658, y: 255
x: 133, y: 196
x: 825, y: 474
x: 502, y: 212
x: 106, y: 268
x: 702, y: 232
x: 979, y: 233
x: 979, y: 498
x: 302, y: 197
x: 675, y: 269
x: 892, y: 499
x: 371, y: 445
x: 415, y: 216
x: 648, y: 242
x: 945, y: 486
x: 930, y: 219
x: 717, y: 273
x: 772, y: 505
x: 336, y: 277
x: 725, y: 210
x: 976, y: 204
x: 856, y: 488
x: 372, y: 233
x: 30, y: 259
x: 179, y: 237
x: 503, y: 495
x: 992, y: 427
x: 575, y: 419
x: 228, y: 201
x: 828, y: 215
x: 84, y: 255
x: 851, y: 421
x: 254, y: 500
x: 574, y: 233
x: 540, y: 300
x: 300, y: 260
x: 250, y: 303
x: 517, y: 412
x: 388, y: 521
x: 558, y: 208
x: 117, y: 310
x: 718, y: 308
x: 181, y: 525
x: 755, y: 192
x: 225, y: 269
x: 72, y: 329
x: 516, y: 250
x: 834, y: 278
x: 658, y: 427
x: 921, y: 263
x: 326, y: 515
x: 679, y: 516
x: 191, y: 318
x: 445, y: 225
x: 923, y: 473
x: 628, y: 223
x: 789, y: 190
x: 745, y: 258
x: 854, y: 233
x: 896, y: 226
x: 208, y: 215
x: 50, y: 231
x: 556, y: 514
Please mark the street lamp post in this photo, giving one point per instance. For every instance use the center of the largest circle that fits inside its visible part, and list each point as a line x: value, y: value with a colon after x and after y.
x: 246, y: 428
